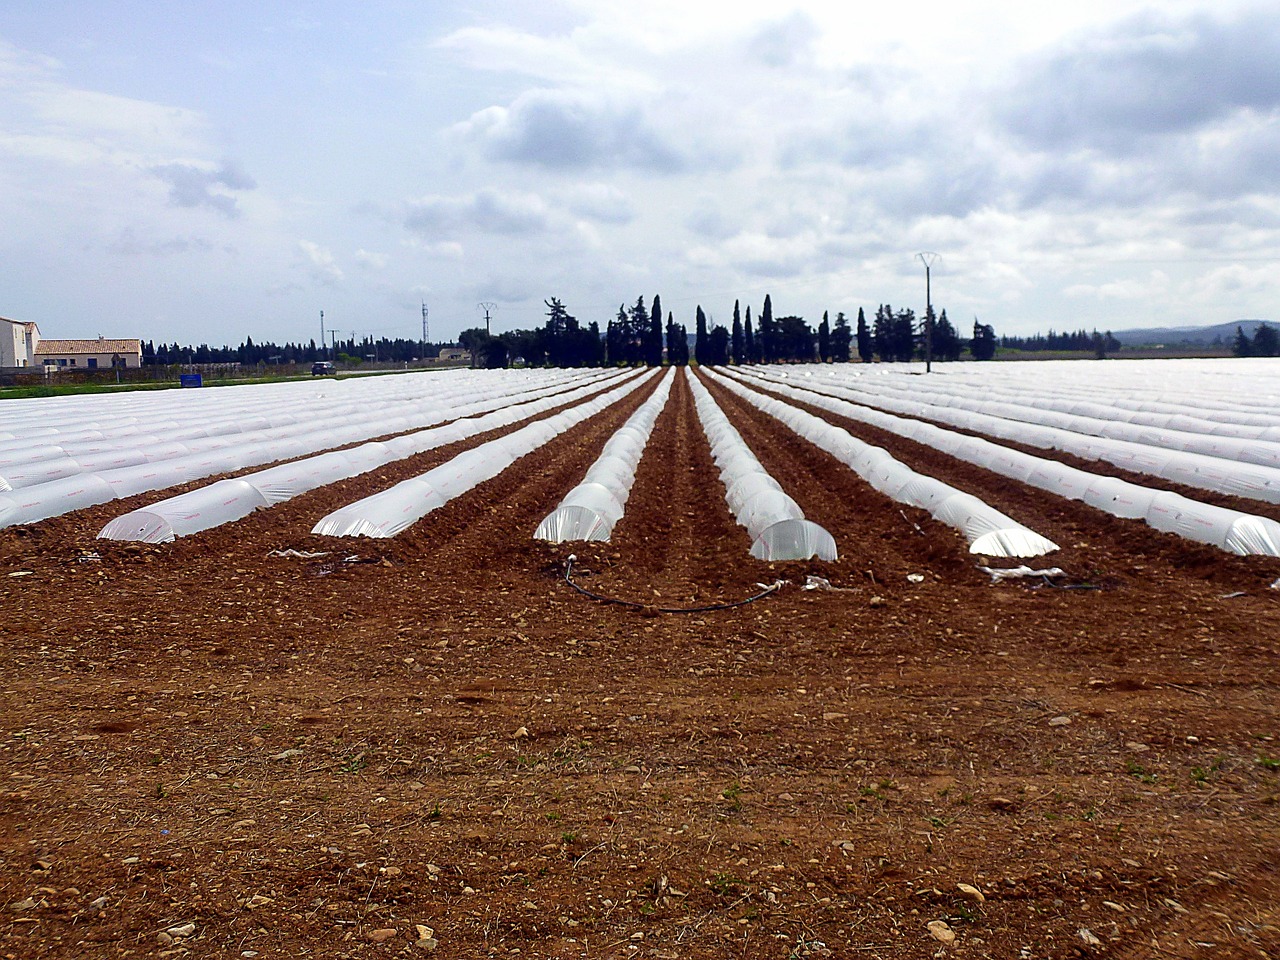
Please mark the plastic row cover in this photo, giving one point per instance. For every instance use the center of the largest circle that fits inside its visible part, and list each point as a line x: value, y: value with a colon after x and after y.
x: 1170, y: 432
x: 222, y: 455
x: 1231, y: 391
x: 395, y: 510
x: 774, y: 521
x: 591, y: 509
x: 1252, y: 481
x: 1230, y: 530
x: 229, y: 500
x: 987, y: 531
x: 42, y: 462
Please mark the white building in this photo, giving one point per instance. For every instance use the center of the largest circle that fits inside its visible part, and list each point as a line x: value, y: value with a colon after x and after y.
x: 90, y: 354
x: 18, y: 342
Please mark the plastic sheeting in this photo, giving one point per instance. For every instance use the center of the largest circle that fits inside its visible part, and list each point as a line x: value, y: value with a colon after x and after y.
x: 988, y: 531
x: 219, y: 503
x: 131, y: 461
x: 395, y: 510
x: 591, y: 509
x: 1165, y: 450
x: 775, y: 523
x: 1230, y: 530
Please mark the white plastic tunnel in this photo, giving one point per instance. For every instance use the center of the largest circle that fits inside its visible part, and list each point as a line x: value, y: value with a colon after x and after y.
x: 591, y: 509
x: 56, y: 482
x: 392, y: 511
x: 988, y: 531
x: 1231, y: 530
x: 227, y: 500
x: 774, y: 521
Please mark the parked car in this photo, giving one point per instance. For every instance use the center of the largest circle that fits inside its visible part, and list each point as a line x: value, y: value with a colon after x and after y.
x: 322, y: 368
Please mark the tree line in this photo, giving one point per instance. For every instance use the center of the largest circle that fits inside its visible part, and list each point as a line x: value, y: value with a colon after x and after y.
x: 249, y: 353
x: 643, y: 336
x: 1265, y: 342
x: 1100, y: 344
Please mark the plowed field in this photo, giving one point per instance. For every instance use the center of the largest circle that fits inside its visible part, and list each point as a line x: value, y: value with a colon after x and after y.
x: 434, y: 744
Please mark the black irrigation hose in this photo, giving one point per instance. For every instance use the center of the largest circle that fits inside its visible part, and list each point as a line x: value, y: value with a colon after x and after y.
x: 568, y: 578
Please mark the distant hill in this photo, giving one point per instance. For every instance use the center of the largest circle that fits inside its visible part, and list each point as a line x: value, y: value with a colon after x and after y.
x: 1223, y: 333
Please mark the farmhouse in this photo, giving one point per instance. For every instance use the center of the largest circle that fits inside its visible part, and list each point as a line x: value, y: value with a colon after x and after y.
x: 90, y: 354
x: 449, y: 354
x: 18, y: 342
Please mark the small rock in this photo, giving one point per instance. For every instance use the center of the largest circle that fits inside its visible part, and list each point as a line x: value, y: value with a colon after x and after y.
x: 427, y: 943
x: 424, y: 932
x: 1000, y: 803
x: 940, y: 931
x: 876, y: 602
x: 182, y: 930
x: 287, y: 754
x: 972, y: 892
x: 164, y: 939
x: 1059, y: 721
x: 631, y: 769
x: 382, y: 935
x: 21, y: 905
x: 1088, y: 937
x: 1113, y: 905
x: 99, y: 903
x: 521, y: 733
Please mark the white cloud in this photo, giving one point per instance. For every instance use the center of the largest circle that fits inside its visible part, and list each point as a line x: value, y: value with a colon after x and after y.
x: 567, y: 131
x: 487, y: 211
x: 193, y: 185
x: 320, y: 263
x: 372, y: 261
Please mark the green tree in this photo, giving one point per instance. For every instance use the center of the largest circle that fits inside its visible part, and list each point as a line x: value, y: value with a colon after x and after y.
x: 793, y: 340
x: 767, y: 335
x: 841, y: 339
x: 750, y: 342
x: 1241, y: 346
x: 653, y: 340
x: 700, y: 348
x: 824, y: 339
x: 737, y: 345
x: 946, y: 341
x: 1266, y: 343
x: 866, y: 345
x: 904, y: 335
x: 983, y: 344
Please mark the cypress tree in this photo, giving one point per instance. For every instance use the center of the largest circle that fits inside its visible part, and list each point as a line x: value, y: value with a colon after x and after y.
x: 738, y: 344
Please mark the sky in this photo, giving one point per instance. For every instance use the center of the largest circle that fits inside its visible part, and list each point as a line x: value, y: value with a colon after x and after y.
x: 204, y: 171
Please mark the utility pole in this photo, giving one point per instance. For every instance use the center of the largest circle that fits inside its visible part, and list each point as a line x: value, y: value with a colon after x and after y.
x: 321, y: 334
x: 486, y: 306
x: 928, y: 259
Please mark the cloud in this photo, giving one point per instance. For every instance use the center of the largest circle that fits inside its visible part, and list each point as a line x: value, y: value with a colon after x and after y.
x: 1147, y: 76
x: 601, y: 202
x: 130, y: 244
x: 191, y: 185
x: 785, y: 42
x: 563, y: 130
x: 489, y: 211
x: 372, y: 261
x: 320, y: 263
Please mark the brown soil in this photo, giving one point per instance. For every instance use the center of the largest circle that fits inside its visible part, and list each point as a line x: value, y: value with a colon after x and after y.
x: 211, y: 751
